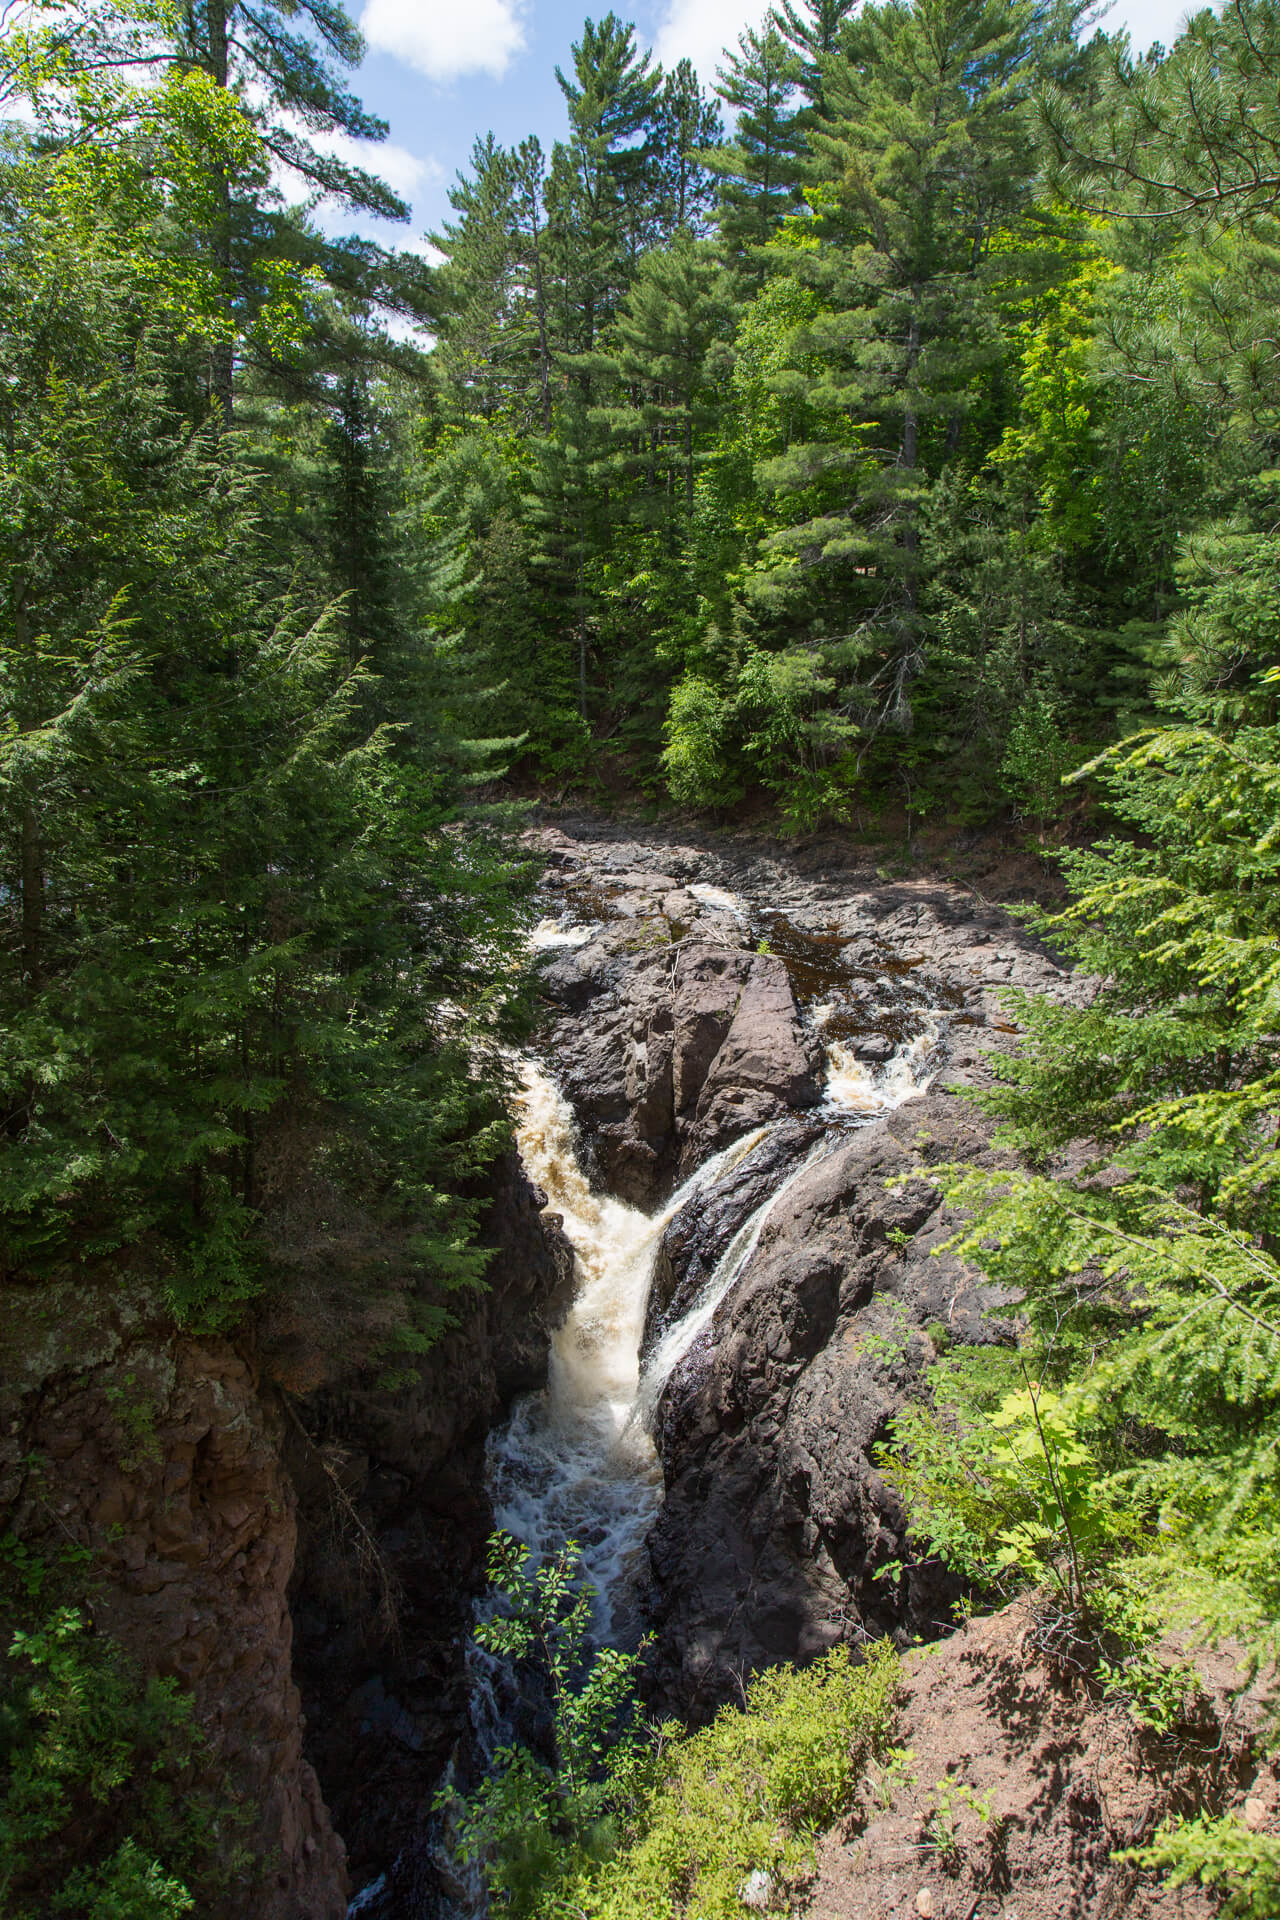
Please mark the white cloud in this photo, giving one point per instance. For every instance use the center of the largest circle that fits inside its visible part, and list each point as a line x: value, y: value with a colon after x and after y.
x: 404, y: 172
x: 1148, y: 20
x: 447, y: 38
x: 701, y: 31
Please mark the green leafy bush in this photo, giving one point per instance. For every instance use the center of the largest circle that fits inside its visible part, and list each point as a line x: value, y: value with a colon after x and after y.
x: 1036, y: 760
x: 746, y: 1795
x: 1220, y: 1853
x: 532, y: 1813
x: 102, y: 1814
x: 625, y: 1822
x: 695, y: 761
x: 1008, y: 1490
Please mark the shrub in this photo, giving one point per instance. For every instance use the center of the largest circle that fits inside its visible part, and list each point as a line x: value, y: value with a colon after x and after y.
x: 100, y: 1813
x: 746, y: 1795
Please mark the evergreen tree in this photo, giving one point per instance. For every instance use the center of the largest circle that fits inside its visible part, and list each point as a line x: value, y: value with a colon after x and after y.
x: 675, y: 310
x: 290, y: 85
x: 759, y: 169
x: 602, y: 179
x: 686, y: 126
x: 813, y: 30
x: 480, y: 351
x: 531, y: 226
x: 222, y: 997
x: 923, y: 155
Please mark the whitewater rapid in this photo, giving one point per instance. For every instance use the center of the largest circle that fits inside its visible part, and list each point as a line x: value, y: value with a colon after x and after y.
x: 576, y: 1461
x: 573, y: 1462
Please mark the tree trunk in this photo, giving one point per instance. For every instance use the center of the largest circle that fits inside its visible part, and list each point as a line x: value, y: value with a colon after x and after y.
x: 32, y: 899
x: 909, y: 659
x: 31, y: 849
x: 221, y: 352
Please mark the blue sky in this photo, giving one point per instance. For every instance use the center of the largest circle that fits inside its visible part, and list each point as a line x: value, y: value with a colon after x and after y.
x: 443, y: 71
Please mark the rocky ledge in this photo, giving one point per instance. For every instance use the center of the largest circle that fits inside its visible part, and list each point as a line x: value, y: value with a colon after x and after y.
x: 698, y: 992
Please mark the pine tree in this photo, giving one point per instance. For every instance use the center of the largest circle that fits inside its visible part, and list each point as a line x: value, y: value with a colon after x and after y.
x: 687, y: 125
x: 478, y: 348
x: 290, y: 85
x: 759, y: 168
x: 924, y: 153
x: 220, y: 989
x: 813, y: 31
x: 676, y: 308
x: 531, y: 226
x: 602, y: 178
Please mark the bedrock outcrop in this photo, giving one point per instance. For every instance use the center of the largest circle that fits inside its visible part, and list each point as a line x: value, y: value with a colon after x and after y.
x: 696, y: 992
x: 303, y: 1563
x: 778, y: 1536
x: 156, y: 1458
x: 671, y: 1052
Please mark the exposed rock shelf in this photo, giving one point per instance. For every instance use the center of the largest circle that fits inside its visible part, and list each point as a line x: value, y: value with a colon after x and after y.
x: 696, y: 993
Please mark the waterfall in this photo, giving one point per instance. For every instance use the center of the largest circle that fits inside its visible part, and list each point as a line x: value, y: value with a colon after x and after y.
x: 857, y: 1088
x: 576, y: 1461
x: 571, y: 1462
x: 733, y: 1262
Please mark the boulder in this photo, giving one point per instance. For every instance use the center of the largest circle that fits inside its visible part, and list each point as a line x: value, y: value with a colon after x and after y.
x: 777, y: 1526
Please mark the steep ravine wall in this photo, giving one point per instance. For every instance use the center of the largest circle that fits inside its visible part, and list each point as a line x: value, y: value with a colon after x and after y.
x: 226, y: 1528
x: 161, y: 1456
x: 386, y: 1702
x: 306, y: 1561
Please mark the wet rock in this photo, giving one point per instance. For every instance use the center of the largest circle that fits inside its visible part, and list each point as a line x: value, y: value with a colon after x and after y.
x: 765, y: 1064
x: 700, y: 1233
x: 688, y: 1050
x: 776, y: 1524
x: 701, y: 1022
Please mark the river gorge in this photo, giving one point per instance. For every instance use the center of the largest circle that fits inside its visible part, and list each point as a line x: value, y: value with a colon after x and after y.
x: 737, y: 1056
x: 718, y: 1265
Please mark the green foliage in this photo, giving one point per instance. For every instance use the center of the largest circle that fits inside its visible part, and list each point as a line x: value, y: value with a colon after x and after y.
x: 242, y: 929
x: 1004, y: 1486
x: 1220, y: 1853
x: 748, y: 1794
x: 698, y: 730
x: 101, y: 1815
x: 530, y: 1814
x: 621, y: 1821
x: 1036, y: 761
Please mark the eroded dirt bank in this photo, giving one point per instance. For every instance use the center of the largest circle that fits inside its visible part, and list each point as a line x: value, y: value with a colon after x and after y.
x: 1019, y: 1784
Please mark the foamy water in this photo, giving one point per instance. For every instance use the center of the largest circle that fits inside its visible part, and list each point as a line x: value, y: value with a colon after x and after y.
x: 856, y: 1086
x: 730, y: 1267
x: 718, y: 897
x: 557, y: 933
x: 571, y: 1462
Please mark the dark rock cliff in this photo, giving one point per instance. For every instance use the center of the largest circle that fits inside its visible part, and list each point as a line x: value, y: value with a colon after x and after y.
x: 210, y: 1500
x: 404, y: 1533
x: 705, y: 987
x: 776, y: 1530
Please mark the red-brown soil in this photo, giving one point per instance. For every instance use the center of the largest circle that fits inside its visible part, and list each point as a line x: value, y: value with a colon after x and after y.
x: 1020, y: 1785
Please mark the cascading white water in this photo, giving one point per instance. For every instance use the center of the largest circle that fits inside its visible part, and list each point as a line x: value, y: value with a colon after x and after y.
x: 733, y: 1262
x: 718, y: 897
x: 571, y: 1462
x: 855, y: 1087
x: 556, y: 933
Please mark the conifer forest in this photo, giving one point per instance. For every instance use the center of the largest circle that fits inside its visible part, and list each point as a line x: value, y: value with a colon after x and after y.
x: 517, y: 744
